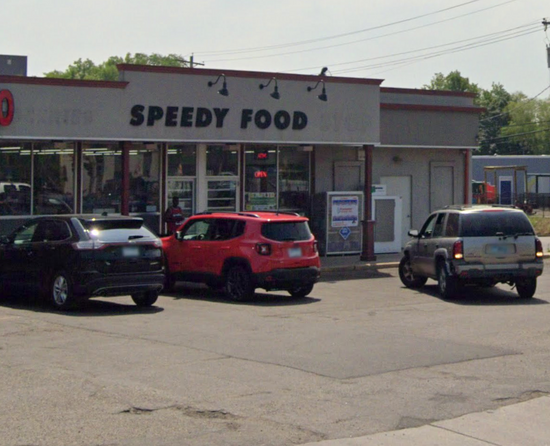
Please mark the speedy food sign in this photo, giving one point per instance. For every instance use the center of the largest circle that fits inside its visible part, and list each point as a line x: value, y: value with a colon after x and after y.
x: 6, y: 108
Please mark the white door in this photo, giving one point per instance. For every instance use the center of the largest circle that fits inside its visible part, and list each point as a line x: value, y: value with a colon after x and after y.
x: 400, y: 186
x: 387, y: 211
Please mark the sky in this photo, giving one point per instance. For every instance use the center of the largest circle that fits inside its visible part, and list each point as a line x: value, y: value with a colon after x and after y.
x: 403, y: 42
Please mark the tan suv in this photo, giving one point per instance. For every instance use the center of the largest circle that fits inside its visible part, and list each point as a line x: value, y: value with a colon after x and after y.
x: 474, y: 245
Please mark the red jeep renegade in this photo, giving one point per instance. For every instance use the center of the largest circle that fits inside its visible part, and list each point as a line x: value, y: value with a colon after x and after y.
x: 243, y: 251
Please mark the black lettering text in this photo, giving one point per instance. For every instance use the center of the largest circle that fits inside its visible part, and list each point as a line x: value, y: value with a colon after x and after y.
x: 262, y: 119
x: 282, y: 119
x: 203, y: 118
x: 155, y: 114
x: 299, y: 120
x: 186, y: 117
x: 137, y: 115
x: 220, y: 113
x: 246, y: 117
x: 171, y: 116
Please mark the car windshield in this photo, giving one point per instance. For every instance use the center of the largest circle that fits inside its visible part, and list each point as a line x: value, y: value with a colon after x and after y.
x: 286, y: 231
x: 486, y: 224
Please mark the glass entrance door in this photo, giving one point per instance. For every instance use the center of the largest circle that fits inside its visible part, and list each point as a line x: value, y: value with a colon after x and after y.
x: 184, y: 189
x: 222, y: 177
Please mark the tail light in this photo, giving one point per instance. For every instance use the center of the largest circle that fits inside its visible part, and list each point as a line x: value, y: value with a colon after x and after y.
x: 538, y: 248
x: 264, y: 249
x: 458, y: 250
x: 88, y: 245
x: 315, y: 246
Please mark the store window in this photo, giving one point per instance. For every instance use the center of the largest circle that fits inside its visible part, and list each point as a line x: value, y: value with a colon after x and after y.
x: 101, y: 178
x: 260, y: 178
x: 15, y: 178
x: 54, y: 178
x: 277, y: 178
x: 182, y: 160
x: 293, y: 179
x: 144, y: 178
x: 182, y: 171
x: 222, y: 170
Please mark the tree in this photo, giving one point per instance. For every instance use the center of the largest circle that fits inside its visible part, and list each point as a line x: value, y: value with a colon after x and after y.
x: 107, y: 71
x: 454, y: 81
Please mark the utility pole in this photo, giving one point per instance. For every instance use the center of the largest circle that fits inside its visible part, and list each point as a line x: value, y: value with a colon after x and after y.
x: 192, y: 63
x: 546, y: 23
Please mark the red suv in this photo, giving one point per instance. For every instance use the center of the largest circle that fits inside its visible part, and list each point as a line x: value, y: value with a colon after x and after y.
x: 243, y: 251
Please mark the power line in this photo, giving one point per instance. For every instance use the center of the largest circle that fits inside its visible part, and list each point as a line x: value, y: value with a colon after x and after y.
x: 523, y: 104
x: 515, y: 135
x: 337, y: 36
x: 353, y: 41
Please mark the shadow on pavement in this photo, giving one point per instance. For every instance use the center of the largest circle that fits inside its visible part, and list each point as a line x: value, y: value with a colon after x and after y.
x: 193, y: 291
x: 479, y: 296
x: 87, y: 308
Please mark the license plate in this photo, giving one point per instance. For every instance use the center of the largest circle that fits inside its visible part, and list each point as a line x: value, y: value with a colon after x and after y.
x: 130, y: 251
x: 497, y: 250
x: 295, y: 252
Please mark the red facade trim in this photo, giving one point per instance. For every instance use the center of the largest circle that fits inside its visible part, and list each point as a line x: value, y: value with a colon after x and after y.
x: 61, y: 82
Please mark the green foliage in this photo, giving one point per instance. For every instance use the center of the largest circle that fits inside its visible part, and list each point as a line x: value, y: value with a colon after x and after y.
x: 512, y: 123
x: 107, y: 71
x: 454, y: 81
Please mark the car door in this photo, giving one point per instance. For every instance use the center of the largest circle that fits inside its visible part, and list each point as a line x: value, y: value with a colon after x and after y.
x: 17, y: 263
x: 191, y: 253
x: 433, y: 243
x: 421, y: 257
x: 218, y: 244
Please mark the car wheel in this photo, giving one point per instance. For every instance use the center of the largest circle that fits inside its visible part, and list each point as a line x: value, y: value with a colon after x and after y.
x: 238, y: 284
x: 61, y: 291
x: 145, y: 299
x: 526, y: 288
x: 407, y: 276
x: 301, y: 290
x: 447, y: 285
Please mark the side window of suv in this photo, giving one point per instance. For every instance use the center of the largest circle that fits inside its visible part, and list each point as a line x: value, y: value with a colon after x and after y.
x: 197, y: 230
x: 451, y: 228
x: 428, y: 228
x: 226, y: 229
x: 52, y: 231
x: 439, y: 222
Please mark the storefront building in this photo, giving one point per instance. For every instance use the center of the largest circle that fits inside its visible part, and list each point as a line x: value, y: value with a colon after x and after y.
x: 231, y: 141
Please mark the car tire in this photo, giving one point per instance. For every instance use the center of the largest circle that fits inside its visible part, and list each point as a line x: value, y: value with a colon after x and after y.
x: 301, y: 290
x: 145, y: 299
x: 238, y: 283
x: 446, y: 284
x: 407, y: 276
x: 526, y: 287
x: 60, y: 294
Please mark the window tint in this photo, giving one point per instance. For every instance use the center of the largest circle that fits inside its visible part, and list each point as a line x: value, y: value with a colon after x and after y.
x: 227, y: 229
x: 25, y: 233
x: 52, y: 231
x: 484, y: 224
x: 118, y: 230
x: 428, y: 227
x: 286, y: 231
x: 438, y: 228
x: 451, y: 228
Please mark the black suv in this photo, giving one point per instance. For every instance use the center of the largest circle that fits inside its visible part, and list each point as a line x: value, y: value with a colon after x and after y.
x: 68, y: 259
x: 474, y: 245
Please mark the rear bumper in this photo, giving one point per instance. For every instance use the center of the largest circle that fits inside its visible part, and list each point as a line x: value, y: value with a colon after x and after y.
x: 92, y: 285
x: 286, y: 278
x: 498, y: 273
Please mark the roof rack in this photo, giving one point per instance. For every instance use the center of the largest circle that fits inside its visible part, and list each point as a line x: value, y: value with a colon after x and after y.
x: 474, y: 206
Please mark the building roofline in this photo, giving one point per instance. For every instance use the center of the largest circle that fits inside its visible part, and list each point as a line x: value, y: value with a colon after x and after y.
x: 246, y: 74
x: 28, y: 80
x: 427, y: 92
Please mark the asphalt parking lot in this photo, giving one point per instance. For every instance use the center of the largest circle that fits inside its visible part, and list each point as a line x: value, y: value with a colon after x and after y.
x: 360, y: 355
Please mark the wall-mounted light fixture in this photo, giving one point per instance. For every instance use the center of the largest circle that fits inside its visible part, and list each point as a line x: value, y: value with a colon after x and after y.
x: 275, y: 94
x: 323, y: 96
x: 223, y: 91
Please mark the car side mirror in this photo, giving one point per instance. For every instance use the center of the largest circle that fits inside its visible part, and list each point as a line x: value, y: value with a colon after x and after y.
x: 413, y: 233
x: 179, y: 235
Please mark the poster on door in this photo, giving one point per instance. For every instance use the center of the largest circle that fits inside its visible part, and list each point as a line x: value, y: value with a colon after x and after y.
x: 345, y: 211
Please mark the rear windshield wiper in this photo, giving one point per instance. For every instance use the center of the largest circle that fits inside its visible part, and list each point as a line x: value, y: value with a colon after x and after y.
x: 133, y: 237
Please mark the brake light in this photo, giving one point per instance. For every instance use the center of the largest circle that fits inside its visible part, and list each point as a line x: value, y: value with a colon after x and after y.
x: 458, y: 250
x: 264, y: 249
x: 315, y: 246
x: 538, y: 248
x: 88, y: 245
